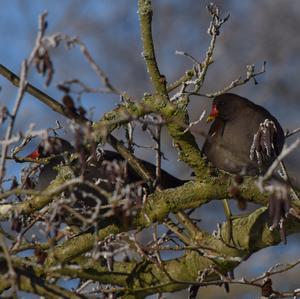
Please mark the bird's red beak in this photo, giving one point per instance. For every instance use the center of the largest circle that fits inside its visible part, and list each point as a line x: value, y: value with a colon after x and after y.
x: 213, y: 114
x: 34, y: 155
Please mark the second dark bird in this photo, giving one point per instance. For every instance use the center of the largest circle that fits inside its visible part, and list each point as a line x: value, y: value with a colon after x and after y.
x: 109, y: 171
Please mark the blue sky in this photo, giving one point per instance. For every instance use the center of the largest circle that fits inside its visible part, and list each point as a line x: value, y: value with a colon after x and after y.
x: 110, y: 30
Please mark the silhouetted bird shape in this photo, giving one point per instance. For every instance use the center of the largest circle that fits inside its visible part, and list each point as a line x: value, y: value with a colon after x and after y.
x: 244, y: 138
x: 109, y: 173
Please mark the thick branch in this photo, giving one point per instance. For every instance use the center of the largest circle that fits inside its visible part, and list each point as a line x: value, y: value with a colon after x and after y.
x: 250, y: 234
x: 35, y: 92
x: 101, y: 129
x: 158, y: 81
x: 29, y: 279
x: 39, y: 201
x: 175, y: 115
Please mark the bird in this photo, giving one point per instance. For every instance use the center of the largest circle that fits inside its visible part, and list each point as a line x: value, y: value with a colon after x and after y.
x: 244, y: 137
x: 108, y: 170
x: 56, y: 146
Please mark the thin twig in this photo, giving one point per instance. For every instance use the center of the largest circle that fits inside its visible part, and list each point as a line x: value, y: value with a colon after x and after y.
x: 194, y: 123
x: 251, y: 74
x: 277, y: 269
x: 55, y: 39
x: 214, y: 31
x: 11, y: 272
x: 39, y: 38
x: 11, y: 124
x: 291, y: 133
x: 285, y: 151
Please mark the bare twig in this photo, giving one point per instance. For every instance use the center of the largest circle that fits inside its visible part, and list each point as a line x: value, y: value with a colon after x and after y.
x: 277, y: 269
x: 55, y: 39
x: 84, y: 88
x: 11, y: 272
x: 194, y: 123
x: 39, y: 39
x: 214, y: 31
x: 291, y: 133
x: 11, y: 124
x: 22, y: 88
x: 251, y: 74
x: 285, y: 151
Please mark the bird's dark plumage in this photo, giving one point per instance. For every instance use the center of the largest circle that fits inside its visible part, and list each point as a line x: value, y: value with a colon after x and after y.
x: 230, y: 144
x: 57, y: 146
x: 109, y: 171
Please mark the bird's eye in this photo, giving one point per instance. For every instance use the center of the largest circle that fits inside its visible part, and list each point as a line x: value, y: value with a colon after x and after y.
x: 40, y: 149
x: 221, y: 104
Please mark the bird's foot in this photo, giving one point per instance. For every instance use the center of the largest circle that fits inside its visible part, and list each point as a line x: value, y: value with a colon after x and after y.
x: 262, y: 144
x: 279, y: 209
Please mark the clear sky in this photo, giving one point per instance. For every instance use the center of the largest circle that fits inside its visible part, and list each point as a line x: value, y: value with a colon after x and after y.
x: 257, y: 31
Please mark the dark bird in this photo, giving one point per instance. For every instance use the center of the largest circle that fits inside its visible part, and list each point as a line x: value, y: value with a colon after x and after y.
x: 57, y: 146
x: 244, y: 138
x: 108, y: 170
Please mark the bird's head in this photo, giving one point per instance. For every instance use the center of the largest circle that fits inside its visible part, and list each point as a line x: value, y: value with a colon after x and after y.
x: 51, y: 146
x: 226, y: 106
